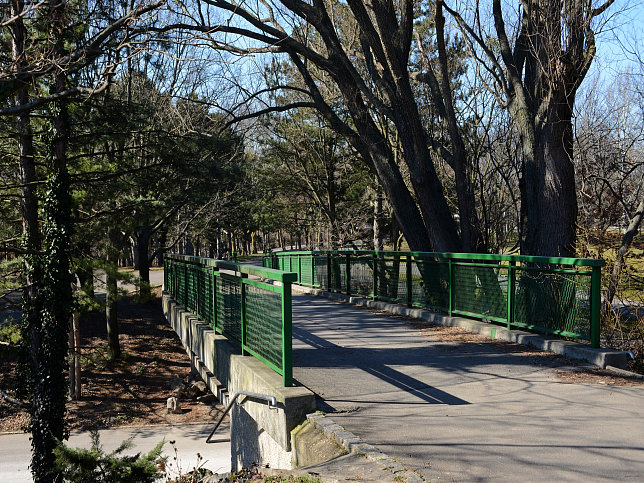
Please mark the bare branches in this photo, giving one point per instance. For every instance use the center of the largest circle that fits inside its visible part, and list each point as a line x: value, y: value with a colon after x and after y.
x: 258, y: 113
x: 473, y: 37
x: 27, y: 70
x: 9, y: 399
x: 22, y: 14
x: 41, y: 101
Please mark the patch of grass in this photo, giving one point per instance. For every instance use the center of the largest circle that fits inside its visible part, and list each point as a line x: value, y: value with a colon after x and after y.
x: 98, y: 358
x: 293, y: 479
x: 10, y: 332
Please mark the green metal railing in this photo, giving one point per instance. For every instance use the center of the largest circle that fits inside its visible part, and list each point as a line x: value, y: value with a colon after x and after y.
x: 551, y: 295
x: 239, y: 302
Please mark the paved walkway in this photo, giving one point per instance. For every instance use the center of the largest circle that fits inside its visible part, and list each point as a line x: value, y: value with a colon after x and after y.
x: 466, y: 412
x: 189, y: 439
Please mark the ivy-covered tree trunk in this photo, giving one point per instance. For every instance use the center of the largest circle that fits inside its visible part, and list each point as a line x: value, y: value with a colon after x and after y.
x: 49, y: 343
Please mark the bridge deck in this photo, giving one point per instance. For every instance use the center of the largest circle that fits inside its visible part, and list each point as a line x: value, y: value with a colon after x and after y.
x: 464, y: 411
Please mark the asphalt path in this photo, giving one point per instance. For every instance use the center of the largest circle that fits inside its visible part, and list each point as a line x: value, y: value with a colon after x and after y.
x: 189, y: 441
x: 156, y: 280
x: 463, y: 412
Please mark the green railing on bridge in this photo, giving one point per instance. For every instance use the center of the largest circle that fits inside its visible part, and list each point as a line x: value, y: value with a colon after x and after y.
x: 553, y: 295
x: 239, y: 302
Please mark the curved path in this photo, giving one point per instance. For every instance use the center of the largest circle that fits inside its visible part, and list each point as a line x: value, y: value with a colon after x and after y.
x: 472, y: 411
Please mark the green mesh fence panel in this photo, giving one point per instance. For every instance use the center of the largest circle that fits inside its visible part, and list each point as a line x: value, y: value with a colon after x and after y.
x: 264, y: 324
x: 168, y: 274
x: 553, y: 302
x: 480, y: 290
x: 430, y: 286
x: 200, y: 281
x: 362, y: 275
x: 260, y: 323
x: 181, y: 283
x: 338, y: 274
x: 205, y: 296
x: 321, y: 265
x: 546, y: 296
x: 229, y: 308
x: 392, y: 279
x: 306, y: 272
x: 191, y: 287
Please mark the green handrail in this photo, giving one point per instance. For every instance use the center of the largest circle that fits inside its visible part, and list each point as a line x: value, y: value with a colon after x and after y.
x: 557, y: 295
x: 249, y: 305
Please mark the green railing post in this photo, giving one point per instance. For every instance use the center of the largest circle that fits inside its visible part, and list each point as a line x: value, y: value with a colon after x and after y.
x: 214, y: 298
x: 185, y: 286
x: 287, y: 335
x: 409, y: 280
x: 242, y: 310
x: 374, y: 272
x: 299, y: 268
x: 512, y: 274
x: 312, y: 270
x: 197, y: 309
x: 450, y: 271
x: 328, y: 271
x: 348, y: 274
x: 595, y: 306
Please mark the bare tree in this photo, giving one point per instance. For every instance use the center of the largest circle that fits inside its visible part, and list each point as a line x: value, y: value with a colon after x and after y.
x: 538, y: 69
x: 363, y: 48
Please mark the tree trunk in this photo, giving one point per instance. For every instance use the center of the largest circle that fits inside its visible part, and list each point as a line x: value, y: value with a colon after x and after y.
x: 49, y: 349
x: 377, y: 218
x: 141, y: 249
x: 550, y: 58
x: 471, y: 238
x: 556, y: 209
x: 28, y: 200
x: 549, y: 200
x: 32, y: 294
x: 134, y: 253
x: 111, y: 298
x: 74, y: 358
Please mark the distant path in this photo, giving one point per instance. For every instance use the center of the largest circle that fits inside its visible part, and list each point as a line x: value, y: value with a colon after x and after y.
x: 156, y: 279
x: 15, y: 449
x: 466, y: 412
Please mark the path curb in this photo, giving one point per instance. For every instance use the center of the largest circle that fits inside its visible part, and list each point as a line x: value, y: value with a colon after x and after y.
x: 573, y: 350
x: 353, y: 444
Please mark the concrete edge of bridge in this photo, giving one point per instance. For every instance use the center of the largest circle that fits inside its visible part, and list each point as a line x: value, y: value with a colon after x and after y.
x: 600, y: 357
x: 356, y: 446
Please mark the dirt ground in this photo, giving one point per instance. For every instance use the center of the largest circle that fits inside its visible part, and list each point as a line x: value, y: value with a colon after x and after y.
x: 130, y: 392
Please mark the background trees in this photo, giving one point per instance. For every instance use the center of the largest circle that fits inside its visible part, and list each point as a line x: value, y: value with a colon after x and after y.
x: 128, y: 131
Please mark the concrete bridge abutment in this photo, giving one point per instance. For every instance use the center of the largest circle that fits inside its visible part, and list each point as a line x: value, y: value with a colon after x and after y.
x: 259, y: 434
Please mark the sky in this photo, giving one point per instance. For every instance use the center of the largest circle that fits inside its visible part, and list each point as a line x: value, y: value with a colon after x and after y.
x: 621, y: 37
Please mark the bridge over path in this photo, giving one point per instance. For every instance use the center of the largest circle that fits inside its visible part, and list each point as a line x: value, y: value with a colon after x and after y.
x: 470, y: 411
